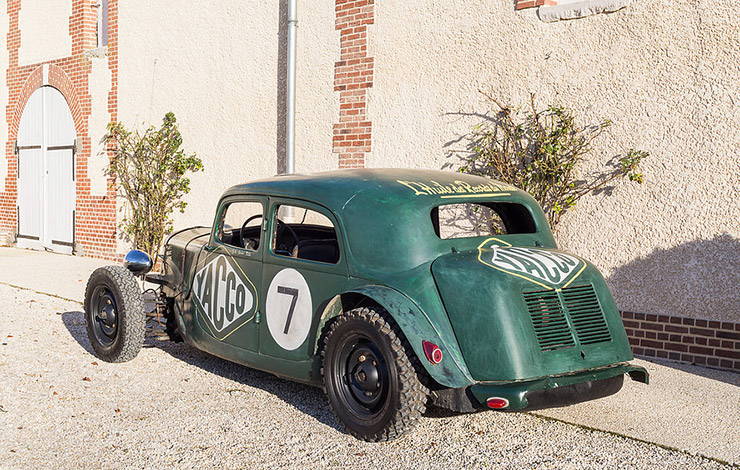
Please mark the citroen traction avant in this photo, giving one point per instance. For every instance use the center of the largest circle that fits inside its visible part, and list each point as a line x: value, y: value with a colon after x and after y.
x: 391, y: 289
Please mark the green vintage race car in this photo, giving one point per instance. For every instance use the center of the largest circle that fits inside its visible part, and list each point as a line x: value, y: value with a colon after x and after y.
x: 391, y: 289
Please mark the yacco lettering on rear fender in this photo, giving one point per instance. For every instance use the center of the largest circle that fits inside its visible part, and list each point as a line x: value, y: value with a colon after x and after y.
x: 545, y: 268
x: 225, y: 297
x: 415, y: 325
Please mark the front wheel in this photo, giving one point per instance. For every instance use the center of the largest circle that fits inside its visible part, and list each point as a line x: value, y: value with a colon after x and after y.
x: 370, y: 378
x: 114, y: 310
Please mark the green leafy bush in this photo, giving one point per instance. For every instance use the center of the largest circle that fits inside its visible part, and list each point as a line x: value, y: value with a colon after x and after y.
x: 149, y: 169
x: 540, y: 151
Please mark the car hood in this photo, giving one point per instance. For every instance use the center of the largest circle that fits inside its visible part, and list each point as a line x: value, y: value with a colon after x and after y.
x: 519, y: 312
x: 180, y: 256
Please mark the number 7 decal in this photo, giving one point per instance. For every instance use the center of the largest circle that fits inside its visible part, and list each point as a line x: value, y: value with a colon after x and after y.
x: 289, y: 309
x: 294, y: 293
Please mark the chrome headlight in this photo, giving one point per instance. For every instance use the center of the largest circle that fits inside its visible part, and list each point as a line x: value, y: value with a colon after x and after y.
x: 137, y: 262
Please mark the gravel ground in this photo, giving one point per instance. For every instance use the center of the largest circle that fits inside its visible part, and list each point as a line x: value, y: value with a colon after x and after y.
x: 60, y: 407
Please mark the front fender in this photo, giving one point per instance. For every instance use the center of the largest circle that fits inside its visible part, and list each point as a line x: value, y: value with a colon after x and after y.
x: 416, y: 327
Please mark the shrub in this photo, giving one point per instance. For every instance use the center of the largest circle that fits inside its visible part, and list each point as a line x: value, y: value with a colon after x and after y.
x: 149, y: 168
x: 540, y: 151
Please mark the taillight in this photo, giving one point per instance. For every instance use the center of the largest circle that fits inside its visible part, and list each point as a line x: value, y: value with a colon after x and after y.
x: 497, y: 403
x: 432, y: 352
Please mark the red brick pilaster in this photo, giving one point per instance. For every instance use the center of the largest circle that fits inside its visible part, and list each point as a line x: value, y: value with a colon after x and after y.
x: 96, y: 226
x: 113, y: 58
x: 19, y: 89
x: 353, y: 75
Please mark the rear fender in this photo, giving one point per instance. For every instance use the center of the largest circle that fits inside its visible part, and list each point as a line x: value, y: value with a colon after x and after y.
x: 416, y: 327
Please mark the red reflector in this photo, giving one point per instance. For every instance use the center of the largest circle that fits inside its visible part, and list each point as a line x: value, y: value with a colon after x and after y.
x: 432, y: 352
x: 497, y: 403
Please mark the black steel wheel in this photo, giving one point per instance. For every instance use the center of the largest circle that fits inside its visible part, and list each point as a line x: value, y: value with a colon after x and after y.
x: 104, y: 315
x: 370, y: 377
x: 114, y: 311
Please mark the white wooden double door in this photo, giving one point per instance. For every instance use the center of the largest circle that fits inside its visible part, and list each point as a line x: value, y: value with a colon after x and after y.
x: 46, y: 177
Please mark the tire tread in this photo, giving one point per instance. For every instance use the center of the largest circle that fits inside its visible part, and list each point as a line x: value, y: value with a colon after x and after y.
x: 132, y: 318
x: 413, y: 392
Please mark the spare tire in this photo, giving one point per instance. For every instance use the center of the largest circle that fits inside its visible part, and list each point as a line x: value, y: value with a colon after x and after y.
x: 114, y: 311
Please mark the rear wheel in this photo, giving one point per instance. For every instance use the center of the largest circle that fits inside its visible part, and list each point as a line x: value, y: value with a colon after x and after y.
x: 114, y: 310
x: 370, y: 378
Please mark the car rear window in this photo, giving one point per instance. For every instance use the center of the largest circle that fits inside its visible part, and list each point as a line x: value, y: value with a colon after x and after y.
x: 481, y: 219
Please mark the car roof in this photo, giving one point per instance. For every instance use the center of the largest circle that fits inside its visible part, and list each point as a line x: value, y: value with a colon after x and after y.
x: 334, y: 189
x: 386, y: 213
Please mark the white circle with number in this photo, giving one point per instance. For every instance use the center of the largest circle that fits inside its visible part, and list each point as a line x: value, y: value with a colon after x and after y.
x: 289, y: 309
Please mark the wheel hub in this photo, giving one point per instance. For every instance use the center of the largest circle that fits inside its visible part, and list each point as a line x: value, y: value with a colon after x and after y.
x: 105, y: 316
x: 364, y: 376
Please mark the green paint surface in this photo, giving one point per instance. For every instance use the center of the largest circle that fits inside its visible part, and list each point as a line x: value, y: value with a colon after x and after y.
x: 467, y: 295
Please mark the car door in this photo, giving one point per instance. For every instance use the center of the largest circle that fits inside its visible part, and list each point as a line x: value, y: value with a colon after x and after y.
x: 226, y: 285
x: 298, y: 283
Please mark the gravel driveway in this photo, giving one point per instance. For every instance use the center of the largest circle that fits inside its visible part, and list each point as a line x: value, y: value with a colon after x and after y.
x: 174, y: 406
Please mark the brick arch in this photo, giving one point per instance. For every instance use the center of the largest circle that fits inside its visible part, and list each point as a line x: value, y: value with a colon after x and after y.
x: 58, y: 79
x: 95, y: 216
x: 33, y: 82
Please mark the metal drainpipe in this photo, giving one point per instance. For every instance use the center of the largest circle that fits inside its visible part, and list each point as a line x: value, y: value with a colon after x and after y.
x: 290, y: 98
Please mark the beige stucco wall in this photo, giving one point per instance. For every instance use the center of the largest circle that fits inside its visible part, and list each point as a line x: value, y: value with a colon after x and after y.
x: 215, y: 65
x: 44, y: 26
x: 665, y: 73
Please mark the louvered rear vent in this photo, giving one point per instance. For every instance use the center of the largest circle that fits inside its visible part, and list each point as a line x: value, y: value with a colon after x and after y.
x: 551, y: 310
x: 550, y: 325
x: 586, y: 315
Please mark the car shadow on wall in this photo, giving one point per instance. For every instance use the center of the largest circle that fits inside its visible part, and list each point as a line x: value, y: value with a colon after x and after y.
x: 305, y: 398
x: 697, y: 279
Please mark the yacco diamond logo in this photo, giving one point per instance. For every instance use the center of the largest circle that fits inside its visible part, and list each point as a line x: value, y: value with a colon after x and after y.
x: 543, y: 267
x: 226, y: 296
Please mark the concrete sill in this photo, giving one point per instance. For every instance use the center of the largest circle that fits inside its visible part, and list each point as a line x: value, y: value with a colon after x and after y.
x: 97, y: 53
x: 580, y: 9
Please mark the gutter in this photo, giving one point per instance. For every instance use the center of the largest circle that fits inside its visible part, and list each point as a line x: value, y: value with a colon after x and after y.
x: 290, y: 92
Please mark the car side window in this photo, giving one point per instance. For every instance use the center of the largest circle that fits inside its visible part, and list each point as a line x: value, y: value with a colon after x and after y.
x: 241, y: 225
x: 303, y: 233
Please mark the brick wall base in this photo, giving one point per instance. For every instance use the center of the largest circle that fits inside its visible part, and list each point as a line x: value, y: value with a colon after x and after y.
x: 707, y: 343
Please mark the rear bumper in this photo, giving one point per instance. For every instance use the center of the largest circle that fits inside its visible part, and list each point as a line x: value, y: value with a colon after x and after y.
x: 546, y: 392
